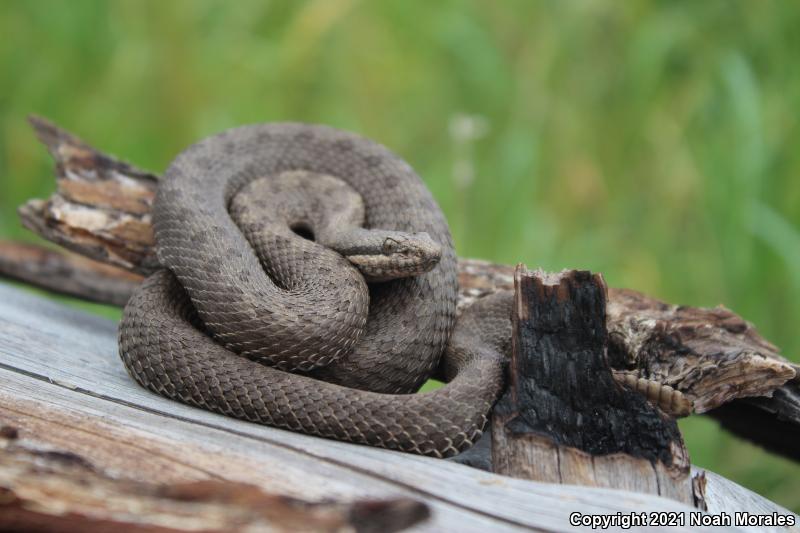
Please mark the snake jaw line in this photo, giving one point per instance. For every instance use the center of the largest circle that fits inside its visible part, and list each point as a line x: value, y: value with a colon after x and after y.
x: 401, y: 255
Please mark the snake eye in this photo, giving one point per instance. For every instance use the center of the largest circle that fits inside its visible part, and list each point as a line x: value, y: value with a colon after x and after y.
x: 389, y: 246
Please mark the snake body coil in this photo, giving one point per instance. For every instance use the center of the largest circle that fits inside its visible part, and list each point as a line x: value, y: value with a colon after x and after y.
x: 276, y: 302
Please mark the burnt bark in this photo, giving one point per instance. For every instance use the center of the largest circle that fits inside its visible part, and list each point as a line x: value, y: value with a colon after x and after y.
x: 712, y: 355
x: 563, y: 418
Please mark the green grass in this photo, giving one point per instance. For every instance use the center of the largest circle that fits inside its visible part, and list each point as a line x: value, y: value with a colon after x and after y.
x: 656, y: 142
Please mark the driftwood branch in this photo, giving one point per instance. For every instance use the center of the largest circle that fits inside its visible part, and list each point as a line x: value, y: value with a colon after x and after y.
x: 770, y: 422
x: 563, y: 418
x: 58, y: 490
x: 67, y: 273
x: 101, y: 210
x: 719, y: 353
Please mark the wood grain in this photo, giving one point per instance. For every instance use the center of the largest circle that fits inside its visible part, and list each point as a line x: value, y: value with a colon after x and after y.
x: 62, y: 381
x: 57, y: 490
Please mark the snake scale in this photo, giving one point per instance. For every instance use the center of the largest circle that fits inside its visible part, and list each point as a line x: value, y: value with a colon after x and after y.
x: 273, y: 321
x: 269, y: 235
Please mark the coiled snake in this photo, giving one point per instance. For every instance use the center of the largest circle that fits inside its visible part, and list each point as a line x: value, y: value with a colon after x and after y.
x: 270, y: 318
x: 249, y: 320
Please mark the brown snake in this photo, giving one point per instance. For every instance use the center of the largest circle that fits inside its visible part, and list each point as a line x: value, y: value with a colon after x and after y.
x: 230, y: 318
x: 268, y: 235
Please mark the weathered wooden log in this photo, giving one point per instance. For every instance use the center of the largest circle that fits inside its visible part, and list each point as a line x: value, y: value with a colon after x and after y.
x: 67, y: 273
x: 101, y: 210
x: 60, y: 491
x: 65, y: 390
x: 710, y: 354
x: 769, y: 422
x: 563, y: 418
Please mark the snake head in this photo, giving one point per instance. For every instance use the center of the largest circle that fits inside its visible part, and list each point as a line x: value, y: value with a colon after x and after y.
x: 386, y: 255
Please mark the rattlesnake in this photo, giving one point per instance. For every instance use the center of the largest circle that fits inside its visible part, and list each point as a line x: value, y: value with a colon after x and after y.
x: 270, y: 318
x: 253, y: 336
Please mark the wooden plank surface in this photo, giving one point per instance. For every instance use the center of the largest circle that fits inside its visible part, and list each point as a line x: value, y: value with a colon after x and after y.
x: 59, y: 368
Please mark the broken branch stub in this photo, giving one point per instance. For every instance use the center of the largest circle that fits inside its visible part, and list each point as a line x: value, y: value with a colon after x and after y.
x: 564, y: 419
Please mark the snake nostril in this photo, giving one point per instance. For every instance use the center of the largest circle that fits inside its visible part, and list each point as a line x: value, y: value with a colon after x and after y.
x: 303, y: 230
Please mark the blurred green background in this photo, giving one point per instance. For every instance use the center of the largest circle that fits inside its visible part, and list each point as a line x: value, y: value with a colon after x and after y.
x: 656, y: 142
